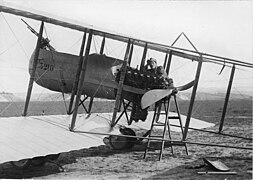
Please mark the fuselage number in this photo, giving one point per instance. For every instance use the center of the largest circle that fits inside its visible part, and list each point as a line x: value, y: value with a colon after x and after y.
x: 45, y: 66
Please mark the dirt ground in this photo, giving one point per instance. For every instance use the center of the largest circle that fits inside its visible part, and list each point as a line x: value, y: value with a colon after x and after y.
x: 105, y: 163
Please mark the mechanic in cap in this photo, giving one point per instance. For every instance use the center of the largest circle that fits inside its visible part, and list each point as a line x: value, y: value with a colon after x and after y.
x: 154, y: 69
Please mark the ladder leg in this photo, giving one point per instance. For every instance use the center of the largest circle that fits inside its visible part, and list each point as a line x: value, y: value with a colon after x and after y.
x: 163, y: 142
x: 179, y: 115
x: 159, y: 107
x: 166, y: 105
x: 168, y: 123
x: 180, y: 121
x: 151, y: 129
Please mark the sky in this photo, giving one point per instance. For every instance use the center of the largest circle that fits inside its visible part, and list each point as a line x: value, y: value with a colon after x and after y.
x: 223, y: 28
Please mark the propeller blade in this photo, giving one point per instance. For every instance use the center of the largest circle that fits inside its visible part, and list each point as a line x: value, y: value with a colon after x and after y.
x: 155, y: 95
x: 186, y: 86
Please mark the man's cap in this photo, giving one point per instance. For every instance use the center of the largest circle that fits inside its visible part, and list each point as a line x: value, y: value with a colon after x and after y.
x: 151, y: 60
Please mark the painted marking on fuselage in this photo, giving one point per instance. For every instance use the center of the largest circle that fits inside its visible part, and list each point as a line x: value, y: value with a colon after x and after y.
x: 45, y: 66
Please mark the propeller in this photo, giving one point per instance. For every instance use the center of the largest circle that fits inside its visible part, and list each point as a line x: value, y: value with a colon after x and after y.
x: 155, y: 95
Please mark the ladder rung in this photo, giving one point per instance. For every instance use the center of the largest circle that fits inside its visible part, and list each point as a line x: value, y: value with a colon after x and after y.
x: 162, y: 124
x: 178, y: 144
x: 156, y: 136
x: 173, y: 117
x: 160, y: 138
x: 155, y: 148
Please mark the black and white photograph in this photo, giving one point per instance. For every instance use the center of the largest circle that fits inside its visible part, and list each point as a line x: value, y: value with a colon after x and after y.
x: 126, y: 89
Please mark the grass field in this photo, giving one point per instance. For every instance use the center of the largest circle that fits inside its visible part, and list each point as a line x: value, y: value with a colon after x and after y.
x: 238, y: 111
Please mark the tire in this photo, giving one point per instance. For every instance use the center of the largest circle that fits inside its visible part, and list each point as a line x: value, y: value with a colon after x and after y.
x: 21, y: 164
x: 120, y: 143
x: 130, y: 141
x: 117, y: 142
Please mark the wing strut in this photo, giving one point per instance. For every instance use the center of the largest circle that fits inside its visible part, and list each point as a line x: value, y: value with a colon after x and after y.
x: 165, y: 60
x: 102, y: 46
x: 74, y: 89
x: 81, y: 80
x: 169, y: 63
x: 121, y: 83
x: 144, y: 56
x: 32, y: 77
x: 194, y: 90
x: 131, y: 54
x: 227, y: 98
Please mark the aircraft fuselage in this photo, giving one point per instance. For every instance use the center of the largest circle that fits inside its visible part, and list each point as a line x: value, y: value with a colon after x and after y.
x: 57, y: 71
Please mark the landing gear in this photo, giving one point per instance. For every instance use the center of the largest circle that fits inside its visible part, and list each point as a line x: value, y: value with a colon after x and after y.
x: 120, y: 143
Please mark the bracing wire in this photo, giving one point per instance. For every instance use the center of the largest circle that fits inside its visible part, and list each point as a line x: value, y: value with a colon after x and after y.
x: 17, y: 40
x: 12, y: 102
x: 6, y: 108
x: 58, y: 78
x: 8, y: 48
x: 243, y: 96
x: 94, y: 43
x: 15, y: 36
x: 112, y: 51
x: 77, y: 41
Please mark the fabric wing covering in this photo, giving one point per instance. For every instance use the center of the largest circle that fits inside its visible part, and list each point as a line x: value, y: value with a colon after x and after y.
x: 28, y: 137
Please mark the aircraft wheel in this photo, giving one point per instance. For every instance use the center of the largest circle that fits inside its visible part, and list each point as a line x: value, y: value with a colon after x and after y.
x: 21, y: 164
x: 130, y: 141
x: 120, y: 143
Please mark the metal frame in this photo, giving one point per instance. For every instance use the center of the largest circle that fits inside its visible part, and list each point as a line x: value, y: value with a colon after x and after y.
x: 194, y: 91
x: 32, y: 76
x: 102, y: 46
x: 74, y: 89
x: 201, y: 57
x: 169, y: 63
x: 81, y: 102
x: 125, y: 106
x: 151, y: 45
x: 131, y: 54
x: 227, y: 98
x: 145, y: 50
x: 165, y: 60
x: 120, y: 87
x: 81, y: 80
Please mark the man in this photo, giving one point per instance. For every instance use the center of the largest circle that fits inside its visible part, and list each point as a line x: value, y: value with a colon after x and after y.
x: 153, y: 69
x: 163, y: 81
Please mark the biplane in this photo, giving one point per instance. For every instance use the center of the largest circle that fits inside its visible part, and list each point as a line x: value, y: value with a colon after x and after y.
x: 98, y: 76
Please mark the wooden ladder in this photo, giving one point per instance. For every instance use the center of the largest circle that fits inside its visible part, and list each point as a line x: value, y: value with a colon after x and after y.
x: 166, y: 126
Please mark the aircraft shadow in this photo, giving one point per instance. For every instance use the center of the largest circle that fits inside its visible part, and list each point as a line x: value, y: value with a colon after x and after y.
x: 7, y: 171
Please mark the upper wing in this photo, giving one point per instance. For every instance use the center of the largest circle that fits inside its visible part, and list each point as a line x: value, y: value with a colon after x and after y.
x: 180, y: 52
